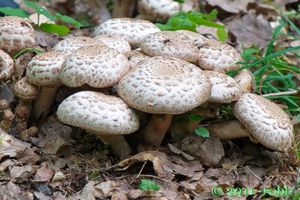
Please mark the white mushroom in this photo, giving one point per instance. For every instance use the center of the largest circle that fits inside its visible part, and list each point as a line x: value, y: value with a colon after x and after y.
x: 245, y: 80
x: 135, y: 57
x: 6, y: 66
x: 114, y: 42
x: 198, y: 39
x: 108, y: 117
x: 265, y: 121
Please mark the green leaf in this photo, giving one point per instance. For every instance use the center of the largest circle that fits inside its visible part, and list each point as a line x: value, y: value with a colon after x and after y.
x: 179, y: 1
x: 39, y: 9
x: 21, y: 52
x: 68, y: 19
x: 222, y: 34
x: 164, y: 27
x: 298, y: 118
x: 196, y: 118
x: 203, y: 132
x: 55, y: 28
x: 148, y: 185
x: 14, y: 12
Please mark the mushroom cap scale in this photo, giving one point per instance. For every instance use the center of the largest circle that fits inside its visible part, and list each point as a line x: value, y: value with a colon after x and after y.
x: 198, y: 39
x: 44, y: 69
x: 98, y: 113
x: 170, y: 43
x: 164, y: 85
x: 24, y: 90
x: 265, y: 120
x: 6, y: 66
x: 96, y: 66
x: 114, y: 42
x: 132, y: 30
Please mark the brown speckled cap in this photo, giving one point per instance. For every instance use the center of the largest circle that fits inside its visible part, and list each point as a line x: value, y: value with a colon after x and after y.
x: 6, y: 66
x: 170, y: 43
x: 164, y: 85
x: 135, y: 56
x: 25, y: 90
x: 265, y: 120
x: 132, y: 30
x: 44, y: 69
x: 96, y: 66
x: 198, y: 39
x: 15, y: 34
x: 114, y: 42
x: 245, y: 80
x: 98, y: 113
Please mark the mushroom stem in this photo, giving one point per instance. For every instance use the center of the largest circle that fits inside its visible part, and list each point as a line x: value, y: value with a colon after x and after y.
x: 44, y: 101
x: 123, y: 8
x: 156, y: 129
x: 23, y: 111
x: 118, y: 144
x: 228, y: 130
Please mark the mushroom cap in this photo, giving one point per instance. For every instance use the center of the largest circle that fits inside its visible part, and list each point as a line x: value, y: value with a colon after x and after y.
x: 198, y: 39
x: 71, y: 44
x: 164, y: 85
x: 114, y: 42
x: 135, y: 56
x: 6, y: 66
x: 97, y: 112
x: 245, y: 80
x: 24, y: 90
x: 132, y: 30
x: 44, y: 69
x: 265, y: 121
x: 170, y: 43
x: 97, y: 66
x: 218, y: 56
x: 224, y: 88
x: 158, y: 9
x: 16, y: 34
x: 40, y: 19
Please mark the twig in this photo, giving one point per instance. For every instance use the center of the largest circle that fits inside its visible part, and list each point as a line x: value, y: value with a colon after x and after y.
x: 141, y: 169
x: 281, y: 93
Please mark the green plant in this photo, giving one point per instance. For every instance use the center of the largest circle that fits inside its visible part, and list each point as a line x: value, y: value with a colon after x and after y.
x: 202, y: 132
x: 190, y: 20
x: 148, y: 185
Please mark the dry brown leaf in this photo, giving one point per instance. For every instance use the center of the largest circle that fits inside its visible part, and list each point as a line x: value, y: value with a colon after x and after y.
x: 13, y: 192
x: 7, y: 163
x: 250, y: 177
x: 179, y: 152
x: 43, y: 174
x: 108, y: 188
x: 232, y: 6
x: 40, y: 195
x: 22, y: 172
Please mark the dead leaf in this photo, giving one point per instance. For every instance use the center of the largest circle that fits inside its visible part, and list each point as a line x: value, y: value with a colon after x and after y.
x: 251, y: 177
x: 13, y: 192
x: 43, y: 174
x: 7, y: 163
x: 87, y: 192
x: 40, y: 195
x: 179, y: 152
x: 58, y: 176
x: 21, y: 172
x: 108, y: 188
x: 232, y: 6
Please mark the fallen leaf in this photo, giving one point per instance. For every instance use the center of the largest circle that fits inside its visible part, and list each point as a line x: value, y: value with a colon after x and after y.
x: 40, y: 195
x: 87, y: 192
x: 232, y: 6
x: 12, y: 191
x: 43, y: 174
x: 108, y: 188
x: 179, y: 152
x: 21, y: 172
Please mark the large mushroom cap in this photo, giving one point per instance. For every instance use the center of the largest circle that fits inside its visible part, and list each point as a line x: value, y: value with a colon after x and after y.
x: 245, y: 80
x: 6, y: 66
x: 99, y: 113
x: 135, y: 57
x: 265, y: 120
x: 164, y: 85
x: 114, y: 42
x: 158, y: 9
x: 15, y: 34
x: 218, y: 56
x: 71, y: 44
x: 170, y: 43
x: 25, y: 90
x: 44, y: 69
x: 198, y: 39
x: 97, y: 66
x: 132, y: 30
x: 224, y: 88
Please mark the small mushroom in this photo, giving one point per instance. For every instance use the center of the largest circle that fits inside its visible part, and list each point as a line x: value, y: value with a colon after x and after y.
x: 6, y: 66
x: 96, y: 66
x: 16, y: 34
x: 114, y: 42
x: 132, y: 30
x: 265, y: 121
x: 155, y: 10
x: 245, y: 80
x: 108, y: 117
x: 135, y: 56
x: 228, y: 130
x: 43, y: 70
x: 170, y: 43
x: 198, y: 39
x: 218, y: 56
x: 163, y: 85
x: 224, y: 88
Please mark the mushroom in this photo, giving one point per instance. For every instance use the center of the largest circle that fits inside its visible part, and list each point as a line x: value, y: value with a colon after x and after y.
x: 71, y: 44
x: 170, y: 43
x: 245, y: 80
x: 198, y: 39
x: 155, y: 10
x: 218, y: 56
x: 265, y: 121
x: 43, y: 70
x: 108, y: 117
x: 96, y: 66
x: 135, y: 56
x: 16, y: 34
x: 114, y: 42
x: 224, y: 88
x: 26, y: 93
x: 228, y: 130
x: 163, y: 85
x: 6, y: 66
x: 132, y: 30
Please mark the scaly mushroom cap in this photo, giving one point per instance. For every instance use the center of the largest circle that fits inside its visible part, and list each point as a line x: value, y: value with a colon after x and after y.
x: 44, y: 69
x: 170, y: 43
x: 6, y: 66
x: 99, y: 113
x: 114, y: 42
x: 245, y: 80
x: 224, y: 88
x: 218, y: 56
x: 198, y: 39
x: 158, y: 9
x: 97, y: 66
x: 71, y: 44
x: 135, y: 57
x: 164, y: 85
x: 132, y: 30
x: 25, y: 90
x: 16, y: 34
x: 265, y: 120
